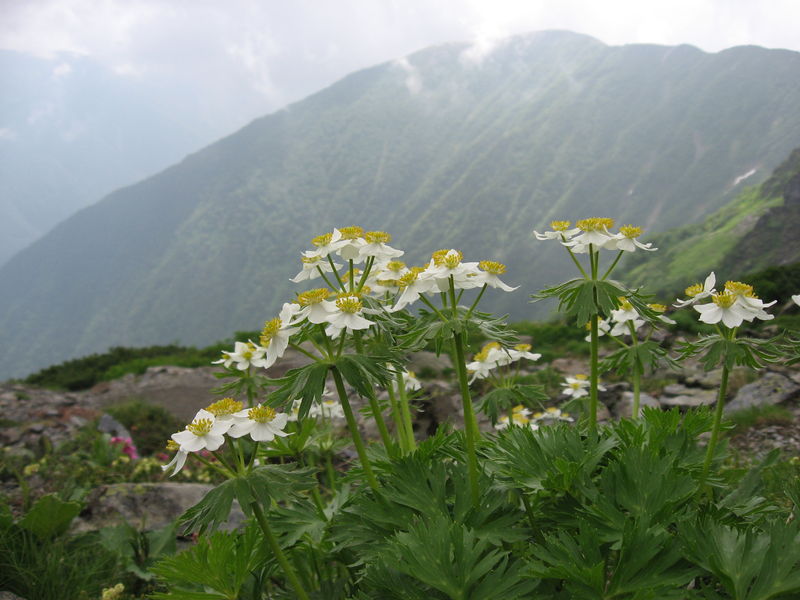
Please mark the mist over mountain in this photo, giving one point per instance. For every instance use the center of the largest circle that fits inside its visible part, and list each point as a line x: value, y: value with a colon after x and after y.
x: 72, y: 130
x: 448, y: 147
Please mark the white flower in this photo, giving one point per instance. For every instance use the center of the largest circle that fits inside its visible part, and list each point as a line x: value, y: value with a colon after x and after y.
x: 314, y: 306
x: 594, y: 232
x: 377, y: 245
x: 747, y: 300
x: 796, y: 299
x: 448, y: 263
x: 205, y: 432
x: 410, y: 381
x: 489, y: 357
x: 312, y: 264
x: 414, y: 283
x: 522, y: 351
x: 177, y: 461
x: 489, y: 275
x: 329, y: 409
x: 325, y: 244
x: 261, y: 423
x: 578, y: 386
x: 519, y: 416
x: 350, y: 243
x: 244, y: 354
x: 626, y: 240
x: 723, y: 307
x: 561, y: 231
x: 698, y: 292
x: 224, y: 410
x: 623, y: 328
x: 276, y: 333
x: 347, y: 316
x: 553, y: 414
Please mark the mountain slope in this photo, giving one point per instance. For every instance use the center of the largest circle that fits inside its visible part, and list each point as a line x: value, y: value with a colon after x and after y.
x: 442, y: 149
x: 756, y: 230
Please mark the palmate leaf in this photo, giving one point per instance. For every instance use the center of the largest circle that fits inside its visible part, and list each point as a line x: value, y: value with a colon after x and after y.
x: 366, y: 372
x: 306, y: 383
x: 637, y: 359
x: 453, y: 559
x: 747, y: 352
x: 751, y: 564
x: 502, y: 399
x: 585, y: 298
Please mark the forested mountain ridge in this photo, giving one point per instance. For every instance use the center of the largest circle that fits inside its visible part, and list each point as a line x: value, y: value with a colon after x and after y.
x: 445, y: 148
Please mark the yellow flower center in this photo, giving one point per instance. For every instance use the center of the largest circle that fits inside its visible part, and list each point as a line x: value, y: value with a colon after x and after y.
x: 353, y: 232
x: 724, y: 300
x: 349, y: 304
x: 448, y: 258
x: 200, y: 427
x: 411, y: 374
x: 659, y: 308
x: 248, y: 354
x: 410, y: 277
x: 629, y: 231
x: 518, y: 408
x: 389, y: 282
x: 581, y: 376
x: 314, y: 296
x: 322, y: 240
x: 523, y: 347
x: 172, y: 445
x: 224, y: 407
x: 493, y: 267
x: 693, y: 290
x: 575, y: 385
x: 311, y: 260
x: 395, y: 265
x: 560, y: 225
x: 552, y: 410
x: 737, y: 288
x: 520, y: 419
x: 270, y: 329
x: 261, y: 414
x: 377, y: 237
x: 484, y: 352
x: 624, y: 303
x: 595, y: 224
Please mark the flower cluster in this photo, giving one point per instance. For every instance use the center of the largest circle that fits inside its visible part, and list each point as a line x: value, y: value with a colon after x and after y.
x: 523, y: 417
x: 733, y: 305
x: 595, y: 232
x: 210, y: 425
x: 626, y: 320
x: 493, y: 355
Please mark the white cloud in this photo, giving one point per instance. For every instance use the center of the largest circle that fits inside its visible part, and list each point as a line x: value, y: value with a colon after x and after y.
x: 413, y: 79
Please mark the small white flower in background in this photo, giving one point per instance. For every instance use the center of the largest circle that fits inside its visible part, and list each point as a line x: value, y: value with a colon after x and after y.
x: 410, y: 381
x: 796, y: 299
x: 325, y: 244
x: 489, y: 274
x: 578, y: 386
x: 205, y: 432
x: 178, y: 460
x: 347, y: 316
x: 698, y: 291
x: 376, y: 244
x: 623, y: 327
x: 521, y: 351
x: 294, y: 414
x: 244, y: 354
x: 351, y: 242
x: 329, y: 409
x: 385, y: 277
x: 311, y: 268
x: 626, y: 240
x: 747, y: 299
x: 553, y: 414
x: 594, y: 232
x: 261, y: 423
x: 488, y: 358
x: 519, y: 416
x: 561, y: 231
x: 625, y: 312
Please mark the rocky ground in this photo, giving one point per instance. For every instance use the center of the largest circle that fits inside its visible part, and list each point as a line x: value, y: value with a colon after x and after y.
x: 34, y: 418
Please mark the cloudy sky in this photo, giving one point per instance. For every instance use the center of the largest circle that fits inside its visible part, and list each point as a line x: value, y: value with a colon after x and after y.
x: 269, y: 53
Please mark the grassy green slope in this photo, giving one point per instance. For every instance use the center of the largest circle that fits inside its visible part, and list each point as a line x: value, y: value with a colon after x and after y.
x: 441, y: 151
x: 757, y: 230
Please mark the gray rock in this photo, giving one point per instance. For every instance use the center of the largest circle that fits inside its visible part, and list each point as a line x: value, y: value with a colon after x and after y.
x: 420, y: 362
x: 693, y: 398
x: 772, y: 388
x: 676, y: 389
x: 10, y: 596
x: 145, y: 506
x: 624, y: 407
x: 111, y: 426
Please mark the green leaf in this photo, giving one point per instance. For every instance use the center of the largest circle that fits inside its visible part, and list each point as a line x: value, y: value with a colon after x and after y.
x: 213, y: 510
x: 50, y: 516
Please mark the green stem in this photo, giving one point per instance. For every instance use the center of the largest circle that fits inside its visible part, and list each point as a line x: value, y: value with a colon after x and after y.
x: 224, y: 471
x: 715, y: 429
x: 365, y: 274
x: 330, y: 471
x: 470, y: 423
x: 327, y: 281
x: 637, y: 374
x: 614, y: 264
x: 397, y: 417
x: 252, y: 460
x: 352, y: 275
x: 411, y: 443
x: 474, y: 304
x: 303, y: 351
x: 336, y: 274
x: 276, y: 550
x: 381, y: 423
x: 352, y: 425
x: 574, y: 258
x: 593, y: 380
x: 433, y: 308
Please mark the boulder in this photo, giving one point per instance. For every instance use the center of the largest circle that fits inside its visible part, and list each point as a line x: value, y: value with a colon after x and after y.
x: 772, y: 388
x: 145, y: 506
x: 624, y: 408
